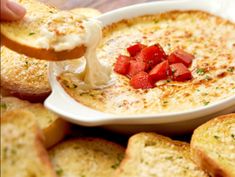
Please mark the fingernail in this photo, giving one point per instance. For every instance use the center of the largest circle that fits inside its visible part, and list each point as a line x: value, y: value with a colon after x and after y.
x: 18, y: 10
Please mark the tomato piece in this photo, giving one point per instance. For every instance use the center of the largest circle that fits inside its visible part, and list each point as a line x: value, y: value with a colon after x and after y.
x: 136, y: 67
x: 141, y: 81
x: 161, y: 71
x: 180, y: 56
x: 122, y: 64
x: 180, y: 72
x: 135, y: 49
x: 152, y: 55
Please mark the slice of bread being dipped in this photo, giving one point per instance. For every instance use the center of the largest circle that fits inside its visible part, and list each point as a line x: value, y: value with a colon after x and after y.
x: 86, y: 157
x: 153, y: 155
x: 213, y: 146
x: 54, y: 128
x: 22, y: 150
x: 45, y: 33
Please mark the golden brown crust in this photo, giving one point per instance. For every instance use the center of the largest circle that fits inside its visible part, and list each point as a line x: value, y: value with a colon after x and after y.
x: 9, y: 90
x: 55, y: 132
x: 42, y: 54
x: 206, y: 163
x: 202, y: 156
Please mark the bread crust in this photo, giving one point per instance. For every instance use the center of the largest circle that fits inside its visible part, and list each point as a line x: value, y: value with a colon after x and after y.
x: 201, y: 157
x: 206, y: 163
x: 55, y: 132
x: 42, y: 54
x: 14, y: 90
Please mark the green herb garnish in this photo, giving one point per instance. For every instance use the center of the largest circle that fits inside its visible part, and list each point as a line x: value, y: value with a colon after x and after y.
x: 230, y: 69
x: 3, y: 106
x: 59, y: 172
x: 200, y: 71
x: 169, y: 158
x: 32, y: 33
x: 233, y: 136
x: 156, y: 21
x: 216, y: 137
x: 206, y: 103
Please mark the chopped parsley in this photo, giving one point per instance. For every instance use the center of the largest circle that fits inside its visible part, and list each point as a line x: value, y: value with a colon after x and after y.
x: 119, y: 159
x: 51, y: 11
x: 114, y: 166
x: 207, y: 78
x: 59, y: 172
x: 74, y: 86
x: 230, y: 69
x: 200, y: 71
x: 165, y: 102
x: 206, y: 103
x: 233, y: 136
x: 3, y: 106
x: 168, y: 80
x: 216, y: 137
x: 32, y: 33
x: 156, y: 21
x: 169, y: 158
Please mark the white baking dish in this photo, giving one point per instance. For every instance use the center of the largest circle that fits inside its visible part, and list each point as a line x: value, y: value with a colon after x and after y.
x: 174, y: 123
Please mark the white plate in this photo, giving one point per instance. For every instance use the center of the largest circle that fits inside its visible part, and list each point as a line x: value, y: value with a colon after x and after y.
x: 61, y: 103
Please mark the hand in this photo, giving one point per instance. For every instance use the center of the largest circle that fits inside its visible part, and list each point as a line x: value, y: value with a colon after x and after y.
x: 11, y: 11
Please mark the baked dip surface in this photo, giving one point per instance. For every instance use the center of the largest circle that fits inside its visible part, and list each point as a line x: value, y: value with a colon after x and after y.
x: 209, y: 38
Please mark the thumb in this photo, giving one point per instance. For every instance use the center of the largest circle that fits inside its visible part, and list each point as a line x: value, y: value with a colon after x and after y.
x: 11, y: 10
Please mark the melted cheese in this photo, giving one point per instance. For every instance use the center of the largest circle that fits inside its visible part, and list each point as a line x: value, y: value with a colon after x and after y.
x: 65, y: 31
x: 199, y: 33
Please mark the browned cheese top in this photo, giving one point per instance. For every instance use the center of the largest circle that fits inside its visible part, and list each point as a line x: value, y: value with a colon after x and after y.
x: 209, y: 38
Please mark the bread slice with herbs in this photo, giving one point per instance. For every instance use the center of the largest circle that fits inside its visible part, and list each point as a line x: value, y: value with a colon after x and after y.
x: 22, y: 150
x: 23, y: 36
x: 24, y: 77
x: 213, y: 146
x: 153, y: 155
x: 54, y: 128
x: 86, y: 157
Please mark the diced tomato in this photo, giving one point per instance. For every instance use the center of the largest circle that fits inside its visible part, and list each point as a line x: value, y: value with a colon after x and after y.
x: 180, y: 72
x: 180, y: 56
x: 152, y: 55
x: 135, y: 49
x: 122, y: 64
x: 141, y: 81
x: 136, y: 67
x: 160, y: 71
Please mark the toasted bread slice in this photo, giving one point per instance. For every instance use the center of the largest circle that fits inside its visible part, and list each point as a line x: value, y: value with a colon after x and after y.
x: 87, y: 12
x: 91, y: 157
x: 149, y: 155
x: 24, y: 77
x: 22, y: 36
x: 213, y: 146
x: 54, y: 128
x: 22, y: 151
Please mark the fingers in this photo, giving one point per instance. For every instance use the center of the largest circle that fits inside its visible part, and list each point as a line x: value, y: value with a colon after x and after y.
x: 11, y: 10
